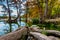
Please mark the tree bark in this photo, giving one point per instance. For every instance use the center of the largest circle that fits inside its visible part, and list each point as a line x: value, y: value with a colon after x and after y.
x: 14, y: 35
x: 52, y: 32
x: 40, y: 36
x: 46, y: 8
x: 9, y: 20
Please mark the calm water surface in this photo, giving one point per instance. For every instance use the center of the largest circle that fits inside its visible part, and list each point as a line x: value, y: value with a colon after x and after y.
x: 4, y: 27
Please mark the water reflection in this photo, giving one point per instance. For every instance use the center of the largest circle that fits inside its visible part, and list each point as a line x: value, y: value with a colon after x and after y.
x: 4, y: 26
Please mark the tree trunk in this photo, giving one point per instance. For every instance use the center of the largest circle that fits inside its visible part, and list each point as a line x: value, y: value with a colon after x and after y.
x: 49, y: 32
x: 39, y: 36
x: 18, y: 13
x: 9, y: 20
x: 46, y: 8
x: 15, y: 35
x: 40, y: 12
x: 26, y: 12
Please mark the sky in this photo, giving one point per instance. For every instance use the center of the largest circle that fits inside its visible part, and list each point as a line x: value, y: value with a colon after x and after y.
x: 14, y: 10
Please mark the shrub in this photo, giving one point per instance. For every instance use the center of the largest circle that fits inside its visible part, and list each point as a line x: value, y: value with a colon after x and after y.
x: 48, y: 25
x: 35, y: 21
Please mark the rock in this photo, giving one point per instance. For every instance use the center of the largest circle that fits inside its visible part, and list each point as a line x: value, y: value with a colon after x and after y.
x: 54, y: 32
x: 40, y: 36
x: 54, y: 38
x: 34, y: 26
x: 34, y: 29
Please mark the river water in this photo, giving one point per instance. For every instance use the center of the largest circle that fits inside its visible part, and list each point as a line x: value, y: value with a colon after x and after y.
x: 4, y: 26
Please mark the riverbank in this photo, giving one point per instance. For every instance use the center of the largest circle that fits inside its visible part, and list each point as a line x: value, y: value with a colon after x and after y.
x: 32, y: 33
